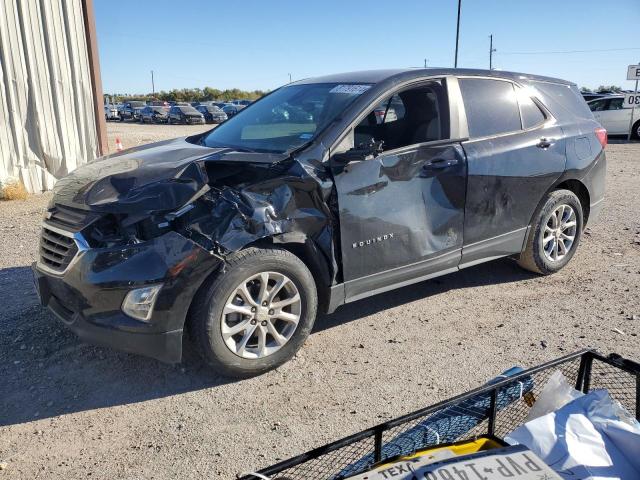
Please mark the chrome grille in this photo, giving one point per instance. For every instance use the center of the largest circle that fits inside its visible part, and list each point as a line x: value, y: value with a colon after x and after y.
x: 57, y: 249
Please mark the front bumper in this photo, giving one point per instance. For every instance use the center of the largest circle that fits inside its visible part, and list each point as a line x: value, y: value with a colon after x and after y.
x: 88, y: 296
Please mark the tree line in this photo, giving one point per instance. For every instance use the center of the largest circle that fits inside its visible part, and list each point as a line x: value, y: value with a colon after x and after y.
x: 602, y: 88
x: 190, y: 95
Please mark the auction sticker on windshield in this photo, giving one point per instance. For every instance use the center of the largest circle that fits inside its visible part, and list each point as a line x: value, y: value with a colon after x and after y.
x: 350, y: 89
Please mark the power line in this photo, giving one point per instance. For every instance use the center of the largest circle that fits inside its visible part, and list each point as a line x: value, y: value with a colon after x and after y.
x: 571, y: 51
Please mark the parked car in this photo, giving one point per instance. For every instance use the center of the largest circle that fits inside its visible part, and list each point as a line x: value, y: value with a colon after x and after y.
x: 212, y: 114
x: 588, y: 96
x: 184, y: 114
x: 242, y: 233
x: 231, y: 109
x: 111, y: 112
x: 154, y: 114
x: 131, y: 110
x: 610, y: 113
x: 244, y: 103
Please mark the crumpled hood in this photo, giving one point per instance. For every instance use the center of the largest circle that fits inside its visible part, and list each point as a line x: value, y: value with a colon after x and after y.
x: 155, y: 177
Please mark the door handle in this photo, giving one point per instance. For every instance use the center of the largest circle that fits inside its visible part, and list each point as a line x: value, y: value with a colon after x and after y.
x: 439, y: 163
x: 544, y: 143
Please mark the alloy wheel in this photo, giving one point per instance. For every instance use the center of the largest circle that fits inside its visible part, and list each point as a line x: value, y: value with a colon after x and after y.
x: 261, y: 315
x: 559, y: 233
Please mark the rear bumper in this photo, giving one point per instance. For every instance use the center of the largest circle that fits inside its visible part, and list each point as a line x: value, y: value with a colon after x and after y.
x: 88, y: 296
x: 594, y: 210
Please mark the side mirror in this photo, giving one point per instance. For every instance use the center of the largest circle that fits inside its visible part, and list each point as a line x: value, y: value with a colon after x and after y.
x: 359, y: 153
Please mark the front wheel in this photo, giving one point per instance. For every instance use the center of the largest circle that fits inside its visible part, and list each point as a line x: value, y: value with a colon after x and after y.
x: 256, y: 314
x: 554, y: 233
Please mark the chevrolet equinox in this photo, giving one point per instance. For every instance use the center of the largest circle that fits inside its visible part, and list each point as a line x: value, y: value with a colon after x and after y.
x: 324, y: 192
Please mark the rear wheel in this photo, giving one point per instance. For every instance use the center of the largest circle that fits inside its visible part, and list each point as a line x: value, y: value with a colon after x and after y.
x: 255, y: 315
x: 635, y: 131
x: 554, y: 233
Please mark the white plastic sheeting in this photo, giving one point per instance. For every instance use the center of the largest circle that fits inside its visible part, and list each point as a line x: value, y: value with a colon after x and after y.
x: 47, y: 121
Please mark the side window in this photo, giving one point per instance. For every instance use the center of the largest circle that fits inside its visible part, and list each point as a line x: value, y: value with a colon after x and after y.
x: 491, y: 106
x: 390, y: 110
x: 413, y: 116
x: 615, y: 104
x: 529, y: 110
x: 598, y: 105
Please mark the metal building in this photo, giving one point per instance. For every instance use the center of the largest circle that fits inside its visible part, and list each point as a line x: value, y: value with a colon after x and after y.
x: 51, y: 107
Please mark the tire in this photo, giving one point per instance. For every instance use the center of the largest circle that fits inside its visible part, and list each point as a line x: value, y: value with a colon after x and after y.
x: 169, y: 121
x: 535, y: 257
x: 635, y: 131
x: 233, y: 356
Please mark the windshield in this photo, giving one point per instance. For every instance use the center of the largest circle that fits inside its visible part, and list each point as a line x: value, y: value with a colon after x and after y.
x: 188, y: 110
x: 286, y: 119
x: 137, y: 104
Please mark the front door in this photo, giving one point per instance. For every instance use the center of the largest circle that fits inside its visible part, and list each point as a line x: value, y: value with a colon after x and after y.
x: 402, y: 212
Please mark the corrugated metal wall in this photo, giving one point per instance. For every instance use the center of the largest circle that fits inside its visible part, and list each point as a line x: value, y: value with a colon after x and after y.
x: 47, y: 121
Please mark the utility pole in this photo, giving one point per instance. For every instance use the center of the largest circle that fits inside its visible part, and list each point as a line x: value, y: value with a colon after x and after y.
x: 491, y: 50
x: 289, y: 78
x: 633, y: 109
x: 455, y: 63
x: 425, y: 63
x: 153, y: 85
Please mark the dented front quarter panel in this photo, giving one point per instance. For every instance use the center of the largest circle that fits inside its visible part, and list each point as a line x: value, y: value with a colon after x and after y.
x: 234, y: 198
x: 285, y: 202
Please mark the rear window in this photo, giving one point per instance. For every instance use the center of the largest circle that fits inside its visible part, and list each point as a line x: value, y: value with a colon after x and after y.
x: 563, y: 100
x: 491, y: 106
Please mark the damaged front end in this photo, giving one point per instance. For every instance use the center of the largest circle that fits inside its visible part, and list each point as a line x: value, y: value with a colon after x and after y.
x: 151, y: 224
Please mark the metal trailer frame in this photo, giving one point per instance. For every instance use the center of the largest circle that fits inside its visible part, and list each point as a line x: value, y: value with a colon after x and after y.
x: 587, y: 369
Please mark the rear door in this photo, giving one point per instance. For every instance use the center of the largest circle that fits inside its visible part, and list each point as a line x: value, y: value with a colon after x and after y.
x: 401, y: 213
x: 515, y: 152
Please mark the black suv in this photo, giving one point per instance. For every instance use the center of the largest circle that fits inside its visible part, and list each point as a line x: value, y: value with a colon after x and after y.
x: 241, y: 234
x: 154, y: 114
x: 185, y: 114
x: 132, y: 110
x: 212, y: 114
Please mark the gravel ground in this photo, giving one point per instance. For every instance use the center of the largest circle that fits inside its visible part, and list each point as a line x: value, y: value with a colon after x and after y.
x: 70, y: 410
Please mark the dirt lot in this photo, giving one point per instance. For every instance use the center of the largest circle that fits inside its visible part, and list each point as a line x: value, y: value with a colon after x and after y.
x: 70, y: 410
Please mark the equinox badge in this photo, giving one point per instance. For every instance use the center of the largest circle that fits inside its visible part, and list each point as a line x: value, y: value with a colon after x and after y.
x: 371, y: 241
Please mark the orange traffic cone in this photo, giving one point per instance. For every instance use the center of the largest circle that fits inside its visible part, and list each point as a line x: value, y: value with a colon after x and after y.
x: 119, y: 146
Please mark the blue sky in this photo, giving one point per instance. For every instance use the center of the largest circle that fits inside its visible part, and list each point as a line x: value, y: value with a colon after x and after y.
x: 256, y: 44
